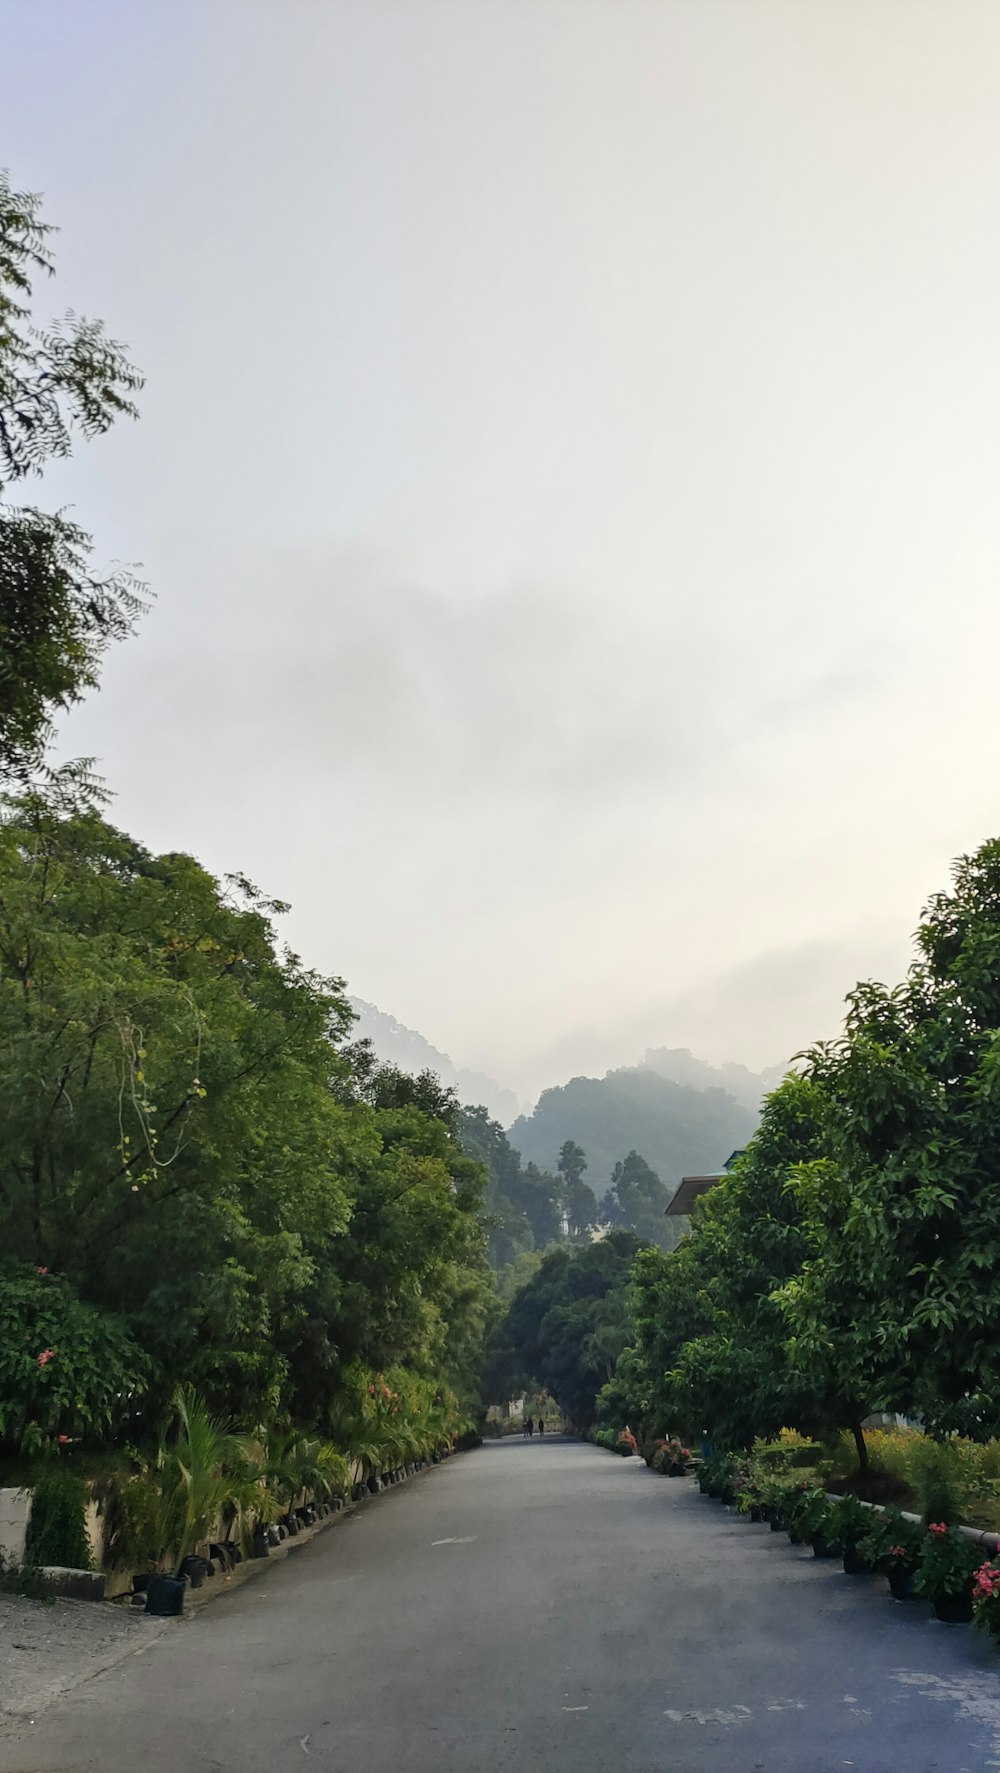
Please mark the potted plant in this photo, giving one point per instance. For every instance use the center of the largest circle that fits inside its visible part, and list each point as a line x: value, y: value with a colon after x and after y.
x: 986, y: 1598
x: 945, y: 1572
x: 203, y: 1473
x: 748, y: 1500
x: 806, y: 1515
x: 892, y: 1547
x: 852, y: 1521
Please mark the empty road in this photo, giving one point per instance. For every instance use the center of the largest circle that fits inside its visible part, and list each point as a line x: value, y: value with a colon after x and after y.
x: 538, y: 1605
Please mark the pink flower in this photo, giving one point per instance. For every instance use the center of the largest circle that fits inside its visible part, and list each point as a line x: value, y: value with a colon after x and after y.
x: 43, y: 1271
x: 47, y: 1355
x: 939, y: 1528
x: 63, y: 1439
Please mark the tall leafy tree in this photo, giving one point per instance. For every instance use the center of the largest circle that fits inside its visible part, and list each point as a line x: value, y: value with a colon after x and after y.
x: 169, y: 1137
x: 899, y: 1298
x: 637, y: 1201
x: 579, y: 1203
x: 566, y: 1327
x: 57, y: 616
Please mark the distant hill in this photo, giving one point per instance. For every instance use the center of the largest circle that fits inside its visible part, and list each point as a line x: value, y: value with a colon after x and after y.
x: 679, y: 1130
x: 681, y: 1067
x: 397, y: 1045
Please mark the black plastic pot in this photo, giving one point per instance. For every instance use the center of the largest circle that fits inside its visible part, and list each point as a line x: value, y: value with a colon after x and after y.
x: 374, y: 1485
x: 901, y: 1584
x: 195, y: 1569
x: 822, y: 1547
x: 290, y: 1522
x: 359, y: 1491
x: 755, y: 1512
x: 220, y: 1551
x: 953, y: 1609
x: 855, y: 1564
x: 795, y: 1538
x: 141, y: 1583
x: 261, y: 1547
x: 165, y: 1596
x: 777, y: 1525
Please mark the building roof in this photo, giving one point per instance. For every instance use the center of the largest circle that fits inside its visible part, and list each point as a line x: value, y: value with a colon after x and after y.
x: 691, y: 1189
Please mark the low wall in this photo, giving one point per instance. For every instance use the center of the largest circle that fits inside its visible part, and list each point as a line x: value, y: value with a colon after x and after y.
x: 102, y: 1583
x: 15, y: 1507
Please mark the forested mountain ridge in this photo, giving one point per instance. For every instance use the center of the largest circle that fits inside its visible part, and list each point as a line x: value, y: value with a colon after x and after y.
x: 681, y: 1066
x: 678, y: 1129
x: 410, y: 1051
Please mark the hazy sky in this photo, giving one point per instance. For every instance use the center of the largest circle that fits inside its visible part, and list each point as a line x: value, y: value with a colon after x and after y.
x: 568, y: 474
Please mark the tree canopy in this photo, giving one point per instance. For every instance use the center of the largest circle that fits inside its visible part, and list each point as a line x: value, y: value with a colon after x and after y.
x: 57, y: 616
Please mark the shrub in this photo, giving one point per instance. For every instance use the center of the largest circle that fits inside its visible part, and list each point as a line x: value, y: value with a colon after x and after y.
x: 937, y: 1478
x: 848, y: 1523
x: 67, y: 1369
x: 806, y: 1513
x: 57, y: 1531
x: 133, y: 1524
x: 669, y: 1455
x: 892, y: 1544
x: 986, y: 1598
x: 947, y: 1562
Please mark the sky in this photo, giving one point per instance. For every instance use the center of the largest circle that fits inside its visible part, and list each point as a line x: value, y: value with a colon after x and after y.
x: 567, y: 478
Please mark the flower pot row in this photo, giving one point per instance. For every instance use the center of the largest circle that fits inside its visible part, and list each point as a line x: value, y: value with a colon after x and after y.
x: 164, y: 1593
x: 939, y: 1563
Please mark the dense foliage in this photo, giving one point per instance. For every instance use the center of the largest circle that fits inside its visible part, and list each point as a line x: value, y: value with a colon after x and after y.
x: 57, y: 615
x: 189, y: 1144
x: 566, y: 1328
x: 844, y: 1266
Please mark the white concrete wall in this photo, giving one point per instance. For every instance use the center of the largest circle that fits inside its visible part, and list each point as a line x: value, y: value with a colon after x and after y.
x: 15, y: 1507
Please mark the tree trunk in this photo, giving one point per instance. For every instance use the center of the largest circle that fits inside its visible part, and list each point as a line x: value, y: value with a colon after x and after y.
x: 859, y: 1442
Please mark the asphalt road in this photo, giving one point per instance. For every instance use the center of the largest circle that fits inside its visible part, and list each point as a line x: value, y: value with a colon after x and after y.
x: 539, y: 1605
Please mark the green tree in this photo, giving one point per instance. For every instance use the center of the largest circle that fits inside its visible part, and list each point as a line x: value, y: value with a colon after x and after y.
x: 564, y: 1330
x: 57, y: 616
x: 711, y: 1330
x: 637, y: 1201
x: 169, y: 1136
x: 579, y: 1202
x: 898, y: 1298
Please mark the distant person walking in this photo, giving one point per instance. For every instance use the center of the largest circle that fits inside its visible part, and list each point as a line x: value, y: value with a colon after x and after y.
x: 529, y: 1427
x: 541, y: 1424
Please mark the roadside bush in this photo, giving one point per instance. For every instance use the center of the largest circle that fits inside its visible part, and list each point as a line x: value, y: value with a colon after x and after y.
x: 133, y: 1524
x: 57, y: 1531
x: 68, y: 1371
x: 938, y: 1481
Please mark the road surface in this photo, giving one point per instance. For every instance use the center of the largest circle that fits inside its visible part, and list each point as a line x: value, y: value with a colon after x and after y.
x: 538, y: 1605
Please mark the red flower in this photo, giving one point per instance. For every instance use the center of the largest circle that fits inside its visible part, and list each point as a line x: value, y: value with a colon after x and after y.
x: 47, y: 1355
x: 938, y: 1528
x: 43, y: 1271
x: 63, y: 1439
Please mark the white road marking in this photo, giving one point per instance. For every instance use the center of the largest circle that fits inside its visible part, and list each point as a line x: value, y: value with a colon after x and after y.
x: 576, y: 1708
x: 470, y: 1541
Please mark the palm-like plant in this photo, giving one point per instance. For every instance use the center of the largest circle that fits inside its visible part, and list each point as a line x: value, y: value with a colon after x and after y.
x: 206, y: 1472
x: 294, y: 1463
